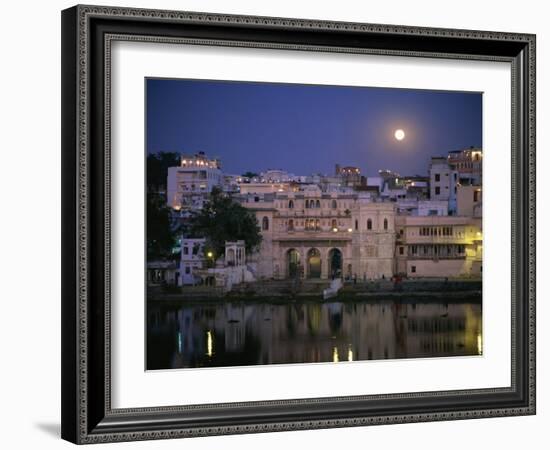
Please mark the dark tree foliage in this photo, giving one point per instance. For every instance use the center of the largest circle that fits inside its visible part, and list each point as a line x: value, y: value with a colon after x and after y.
x: 222, y: 219
x: 161, y: 235
x: 250, y: 174
x: 157, y: 168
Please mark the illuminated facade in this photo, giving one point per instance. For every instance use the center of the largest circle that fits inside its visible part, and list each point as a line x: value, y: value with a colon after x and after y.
x: 438, y: 246
x: 312, y: 234
x: 189, y: 184
x: 350, y: 175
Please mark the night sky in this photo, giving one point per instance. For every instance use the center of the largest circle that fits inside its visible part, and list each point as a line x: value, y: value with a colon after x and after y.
x: 307, y: 129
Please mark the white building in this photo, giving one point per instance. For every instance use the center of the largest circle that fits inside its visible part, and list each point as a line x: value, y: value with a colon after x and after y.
x: 192, y: 260
x: 443, y: 182
x: 275, y: 176
x: 189, y: 184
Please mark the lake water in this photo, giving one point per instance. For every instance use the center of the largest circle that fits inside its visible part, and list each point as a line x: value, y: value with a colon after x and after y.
x: 240, y: 333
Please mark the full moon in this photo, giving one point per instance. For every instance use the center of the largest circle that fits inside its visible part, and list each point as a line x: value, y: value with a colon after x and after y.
x: 399, y: 135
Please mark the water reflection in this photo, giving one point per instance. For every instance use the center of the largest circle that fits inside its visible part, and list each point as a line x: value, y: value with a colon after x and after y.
x: 240, y: 333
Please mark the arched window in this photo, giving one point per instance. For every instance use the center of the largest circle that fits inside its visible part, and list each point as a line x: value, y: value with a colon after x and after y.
x: 291, y: 204
x: 307, y: 203
x: 265, y: 224
x: 334, y: 204
x: 334, y: 224
x: 385, y: 224
x: 317, y: 204
x: 369, y: 224
x: 291, y: 225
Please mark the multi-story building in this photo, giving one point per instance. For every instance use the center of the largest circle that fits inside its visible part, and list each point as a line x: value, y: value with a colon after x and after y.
x: 443, y: 182
x: 469, y: 201
x: 438, y: 246
x: 192, y: 259
x: 350, y: 175
x: 468, y: 163
x: 190, y: 183
x: 314, y: 234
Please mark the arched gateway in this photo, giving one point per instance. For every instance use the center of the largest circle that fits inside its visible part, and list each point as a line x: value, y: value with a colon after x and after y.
x: 335, y: 263
x: 293, y: 263
x: 314, y: 263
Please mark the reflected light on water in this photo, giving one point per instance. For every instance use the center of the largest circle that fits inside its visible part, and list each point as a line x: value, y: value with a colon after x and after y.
x: 308, y: 332
x: 479, y: 345
x: 209, y: 344
x: 335, y: 357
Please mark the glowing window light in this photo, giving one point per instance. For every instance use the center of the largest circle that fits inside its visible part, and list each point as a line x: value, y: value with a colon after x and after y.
x: 209, y: 344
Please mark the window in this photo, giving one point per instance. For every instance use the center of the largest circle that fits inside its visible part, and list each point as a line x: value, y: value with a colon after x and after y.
x: 476, y: 195
x: 413, y: 269
x: 401, y: 250
x: 437, y: 177
x: 334, y: 224
x: 185, y: 250
x: 356, y: 224
x: 437, y: 190
x: 290, y: 204
x: 334, y: 204
x: 307, y: 203
x: 385, y: 224
x: 265, y: 224
x: 187, y: 270
x: 291, y: 225
x: 317, y: 204
x: 369, y: 224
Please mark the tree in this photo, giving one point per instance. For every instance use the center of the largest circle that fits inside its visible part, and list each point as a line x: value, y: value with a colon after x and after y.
x: 249, y: 174
x: 161, y: 235
x: 223, y: 219
x: 157, y: 168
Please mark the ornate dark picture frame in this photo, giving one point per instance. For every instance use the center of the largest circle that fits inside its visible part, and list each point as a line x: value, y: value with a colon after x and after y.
x: 87, y: 34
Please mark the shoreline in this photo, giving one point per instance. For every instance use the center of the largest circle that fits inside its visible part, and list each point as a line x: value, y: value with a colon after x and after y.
x: 473, y: 296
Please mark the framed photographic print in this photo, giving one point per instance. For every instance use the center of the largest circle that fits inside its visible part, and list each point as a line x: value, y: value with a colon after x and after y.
x: 281, y: 224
